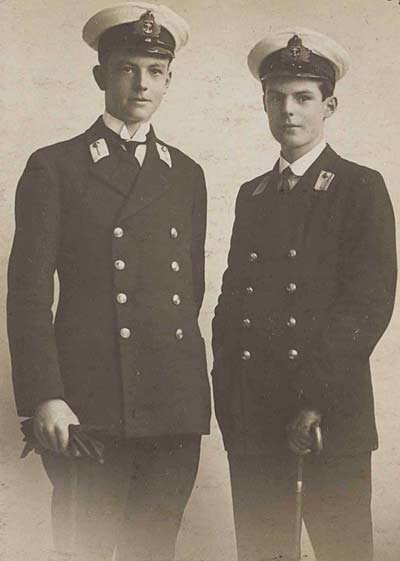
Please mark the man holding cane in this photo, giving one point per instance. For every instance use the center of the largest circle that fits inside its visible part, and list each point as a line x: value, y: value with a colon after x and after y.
x: 307, y: 294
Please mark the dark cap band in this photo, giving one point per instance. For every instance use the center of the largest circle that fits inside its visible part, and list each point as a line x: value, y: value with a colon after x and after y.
x: 143, y: 35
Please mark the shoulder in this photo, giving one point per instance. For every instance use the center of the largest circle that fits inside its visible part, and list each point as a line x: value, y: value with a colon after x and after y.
x: 57, y: 154
x: 363, y: 188
x: 185, y: 169
x: 179, y: 157
x: 250, y: 189
x: 354, y: 171
x: 361, y: 182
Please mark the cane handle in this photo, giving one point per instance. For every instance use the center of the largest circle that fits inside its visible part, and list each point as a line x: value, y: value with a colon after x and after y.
x: 317, y: 437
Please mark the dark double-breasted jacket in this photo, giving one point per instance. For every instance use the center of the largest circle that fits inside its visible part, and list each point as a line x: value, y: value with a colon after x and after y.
x: 125, y: 350
x: 307, y: 294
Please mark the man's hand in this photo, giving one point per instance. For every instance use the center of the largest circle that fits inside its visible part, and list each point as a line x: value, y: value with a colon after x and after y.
x: 300, y: 434
x: 51, y: 421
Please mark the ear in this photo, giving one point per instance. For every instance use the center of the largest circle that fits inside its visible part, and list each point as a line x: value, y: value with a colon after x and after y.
x: 331, y: 104
x: 167, y: 81
x: 99, y: 76
x: 263, y: 85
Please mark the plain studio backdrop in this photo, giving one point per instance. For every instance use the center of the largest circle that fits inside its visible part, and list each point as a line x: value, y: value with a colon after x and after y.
x: 213, y: 111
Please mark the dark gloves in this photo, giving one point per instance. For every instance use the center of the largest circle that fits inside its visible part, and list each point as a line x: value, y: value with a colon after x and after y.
x: 84, y: 441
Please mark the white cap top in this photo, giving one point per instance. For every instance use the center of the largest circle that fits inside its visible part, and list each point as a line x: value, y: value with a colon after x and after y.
x: 131, y: 12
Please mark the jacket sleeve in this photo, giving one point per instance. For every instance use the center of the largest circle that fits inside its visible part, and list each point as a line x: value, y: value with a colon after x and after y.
x: 35, y: 368
x: 228, y: 305
x: 365, y: 297
x: 227, y: 309
x: 199, y: 223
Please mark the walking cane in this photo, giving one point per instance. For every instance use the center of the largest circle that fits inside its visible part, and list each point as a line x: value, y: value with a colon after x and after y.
x: 317, y: 448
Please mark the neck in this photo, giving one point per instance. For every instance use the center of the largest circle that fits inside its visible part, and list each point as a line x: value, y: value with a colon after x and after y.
x: 132, y: 127
x: 291, y: 154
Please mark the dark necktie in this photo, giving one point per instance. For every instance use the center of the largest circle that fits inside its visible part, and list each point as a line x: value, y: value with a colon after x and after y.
x: 284, y: 184
x: 130, y: 146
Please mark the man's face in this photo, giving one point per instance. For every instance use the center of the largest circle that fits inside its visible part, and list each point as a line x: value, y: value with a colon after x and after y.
x: 134, y: 84
x: 296, y: 113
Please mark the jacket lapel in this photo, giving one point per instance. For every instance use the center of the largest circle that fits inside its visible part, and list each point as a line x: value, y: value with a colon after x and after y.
x: 115, y: 169
x: 152, y: 181
x: 313, y: 204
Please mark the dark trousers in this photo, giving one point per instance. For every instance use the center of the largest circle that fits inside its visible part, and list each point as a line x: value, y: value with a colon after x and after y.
x: 336, y: 506
x: 134, y: 501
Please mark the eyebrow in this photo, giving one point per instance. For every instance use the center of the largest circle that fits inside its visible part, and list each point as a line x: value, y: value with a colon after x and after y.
x: 132, y: 63
x: 301, y: 92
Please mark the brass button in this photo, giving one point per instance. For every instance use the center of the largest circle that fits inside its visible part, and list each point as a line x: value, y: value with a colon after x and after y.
x: 179, y: 334
x: 175, y: 266
x: 291, y: 288
x: 291, y: 322
x: 253, y: 256
x: 293, y: 354
x: 176, y: 299
x: 118, y: 232
x: 122, y: 298
x: 292, y: 253
x: 119, y: 264
x: 125, y: 333
x: 174, y: 233
x: 250, y: 290
x: 246, y: 355
x: 246, y: 322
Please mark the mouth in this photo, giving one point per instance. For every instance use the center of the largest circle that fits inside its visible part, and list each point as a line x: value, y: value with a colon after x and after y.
x: 139, y: 100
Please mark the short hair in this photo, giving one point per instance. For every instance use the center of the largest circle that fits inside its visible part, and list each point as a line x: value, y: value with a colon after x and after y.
x: 327, y: 88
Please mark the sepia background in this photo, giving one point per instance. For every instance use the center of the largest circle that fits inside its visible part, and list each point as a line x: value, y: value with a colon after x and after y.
x: 213, y: 112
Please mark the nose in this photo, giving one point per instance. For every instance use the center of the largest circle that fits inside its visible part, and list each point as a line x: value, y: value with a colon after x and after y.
x: 288, y: 106
x: 141, y: 82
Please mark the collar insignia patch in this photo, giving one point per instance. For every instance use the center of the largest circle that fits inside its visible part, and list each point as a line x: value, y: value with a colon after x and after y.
x: 325, y: 178
x: 164, y: 154
x: 99, y: 150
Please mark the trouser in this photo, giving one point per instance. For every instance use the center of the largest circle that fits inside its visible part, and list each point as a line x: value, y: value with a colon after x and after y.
x: 336, y: 506
x: 134, y: 501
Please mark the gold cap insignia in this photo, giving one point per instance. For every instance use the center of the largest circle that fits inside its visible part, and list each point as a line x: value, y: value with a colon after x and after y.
x: 295, y: 52
x: 147, y: 27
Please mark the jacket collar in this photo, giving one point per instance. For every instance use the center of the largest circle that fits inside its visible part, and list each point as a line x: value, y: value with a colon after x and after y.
x: 116, y: 170
x: 325, y: 162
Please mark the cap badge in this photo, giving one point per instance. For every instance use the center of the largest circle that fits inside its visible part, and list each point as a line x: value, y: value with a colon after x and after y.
x: 295, y: 52
x: 325, y: 178
x: 147, y: 26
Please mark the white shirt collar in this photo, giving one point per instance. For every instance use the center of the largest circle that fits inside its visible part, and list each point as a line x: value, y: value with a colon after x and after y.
x: 121, y: 129
x: 300, y: 166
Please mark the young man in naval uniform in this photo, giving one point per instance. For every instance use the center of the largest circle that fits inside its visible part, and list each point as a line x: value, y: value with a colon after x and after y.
x: 307, y: 294
x: 121, y: 217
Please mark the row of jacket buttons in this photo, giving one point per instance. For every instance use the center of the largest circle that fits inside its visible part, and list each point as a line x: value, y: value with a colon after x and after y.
x: 292, y: 354
x: 126, y: 333
x: 119, y: 232
x: 291, y: 322
x: 122, y: 298
x: 291, y: 288
x: 253, y: 256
